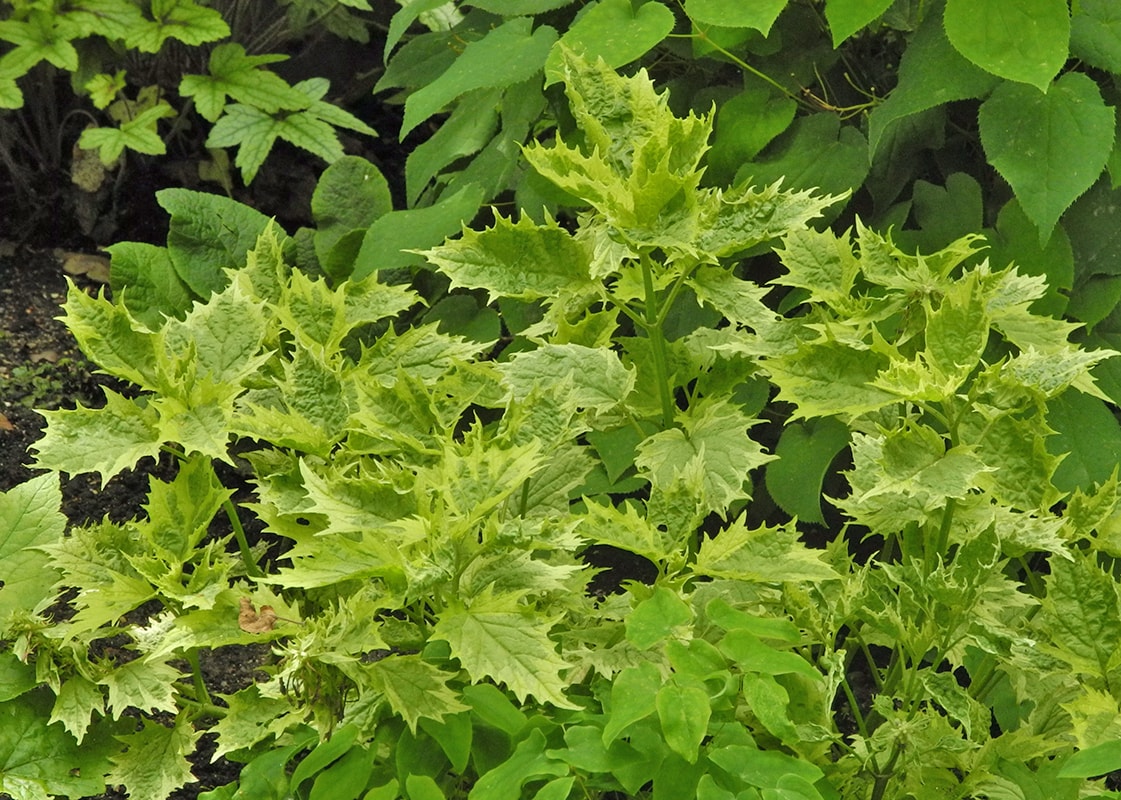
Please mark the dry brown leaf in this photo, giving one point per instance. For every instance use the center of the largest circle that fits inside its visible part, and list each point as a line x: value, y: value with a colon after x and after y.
x: 5, y: 425
x: 94, y: 267
x: 252, y: 621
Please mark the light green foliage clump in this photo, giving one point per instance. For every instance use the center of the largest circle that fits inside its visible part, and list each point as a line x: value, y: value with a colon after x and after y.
x: 435, y: 630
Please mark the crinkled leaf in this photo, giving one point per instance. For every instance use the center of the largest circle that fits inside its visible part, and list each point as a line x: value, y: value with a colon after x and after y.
x: 29, y: 516
x: 143, y: 279
x: 597, y: 378
x: 143, y: 684
x: 771, y: 555
x: 1082, y: 618
x: 415, y: 689
x: 497, y: 639
x: 154, y: 762
x: 830, y: 379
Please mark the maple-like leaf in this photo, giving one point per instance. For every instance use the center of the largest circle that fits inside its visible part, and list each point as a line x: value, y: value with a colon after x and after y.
x: 415, y: 688
x: 496, y: 638
x: 233, y: 73
x: 154, y: 763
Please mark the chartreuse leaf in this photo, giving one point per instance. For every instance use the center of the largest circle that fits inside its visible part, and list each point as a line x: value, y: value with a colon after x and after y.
x: 516, y: 259
x: 179, y: 512
x: 1082, y: 619
x: 231, y: 73
x: 78, y: 699
x: 1050, y: 147
x: 830, y: 379
x: 770, y: 555
x: 415, y: 689
x: 506, y: 55
x: 931, y: 72
x: 712, y: 440
x: 613, y: 30
x: 957, y: 332
x: 598, y: 379
x: 154, y: 763
x: 111, y: 337
x: 143, y: 684
x: 103, y: 440
x: 496, y: 638
x: 29, y: 516
x: 846, y: 17
x: 1025, y: 42
x: 731, y: 14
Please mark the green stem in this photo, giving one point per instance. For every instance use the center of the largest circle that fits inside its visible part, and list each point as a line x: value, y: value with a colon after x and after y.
x: 201, y: 694
x: 943, y: 540
x: 251, y: 568
x: 653, y: 325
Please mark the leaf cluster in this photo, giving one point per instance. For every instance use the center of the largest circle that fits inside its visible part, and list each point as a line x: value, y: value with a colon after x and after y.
x: 432, y: 500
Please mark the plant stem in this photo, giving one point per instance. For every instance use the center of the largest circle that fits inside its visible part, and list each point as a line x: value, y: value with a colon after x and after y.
x: 251, y: 568
x: 201, y: 694
x: 653, y: 326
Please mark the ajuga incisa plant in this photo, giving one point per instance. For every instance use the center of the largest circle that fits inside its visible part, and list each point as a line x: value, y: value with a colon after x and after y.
x: 428, y: 500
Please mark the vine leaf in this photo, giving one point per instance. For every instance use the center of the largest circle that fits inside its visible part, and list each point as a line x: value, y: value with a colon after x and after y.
x: 1049, y: 147
x: 1026, y: 41
x: 1095, y: 34
x: 846, y: 17
x: 615, y: 31
x: 760, y: 15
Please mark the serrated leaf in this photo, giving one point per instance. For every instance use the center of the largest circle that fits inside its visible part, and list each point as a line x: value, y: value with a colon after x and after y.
x: 805, y: 450
x: 143, y: 684
x: 234, y: 74
x: 77, y: 701
x: 613, y: 30
x: 139, y: 134
x: 957, y: 332
x: 713, y: 440
x: 516, y: 259
x: 497, y: 639
x: 772, y: 555
x: 830, y: 379
x: 183, y: 20
x: 1026, y: 41
x: 759, y: 15
x: 29, y: 516
x: 104, y: 440
x: 506, y: 55
x: 154, y: 762
x: 1095, y: 34
x: 1082, y: 619
x: 1050, y: 147
x: 846, y: 17
x: 416, y: 689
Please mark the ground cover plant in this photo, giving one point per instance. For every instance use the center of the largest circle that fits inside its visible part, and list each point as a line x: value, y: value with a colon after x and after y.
x: 429, y: 489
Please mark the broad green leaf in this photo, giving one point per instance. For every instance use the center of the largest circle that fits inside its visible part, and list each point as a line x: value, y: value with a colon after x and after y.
x: 613, y: 30
x: 423, y: 787
x: 759, y: 15
x: 347, y: 777
x: 209, y: 233
x: 183, y: 20
x: 944, y: 214
x: 471, y: 125
x: 496, y: 639
x: 684, y: 711
x: 846, y: 17
x: 713, y: 440
x: 324, y: 753
x: 1088, y: 433
x: 816, y: 152
x: 104, y: 440
x: 1095, y: 34
x: 752, y: 655
x: 29, y: 516
x: 528, y: 761
x: 234, y: 74
x: 1050, y: 147
x: 805, y: 451
x: 770, y: 702
x: 654, y: 619
x: 745, y: 124
x: 633, y: 695
x: 1098, y: 760
x: 16, y: 677
x: 598, y: 379
x: 463, y: 315
x: 351, y: 193
x: 1025, y: 41
x: 931, y: 72
x: 144, y: 280
x: 770, y: 555
x: 766, y: 769
x: 389, y: 241
x: 506, y: 55
x: 494, y: 708
x: 516, y: 259
x: 154, y: 763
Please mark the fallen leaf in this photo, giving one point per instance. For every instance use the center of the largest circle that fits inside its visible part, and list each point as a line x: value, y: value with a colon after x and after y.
x: 5, y: 425
x: 250, y: 621
x: 94, y: 267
